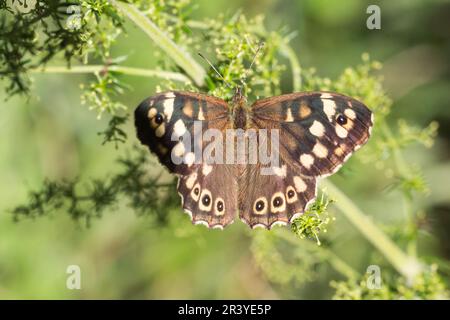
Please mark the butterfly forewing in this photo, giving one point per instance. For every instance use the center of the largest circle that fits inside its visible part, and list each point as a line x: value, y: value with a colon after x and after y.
x: 318, y: 130
x: 161, y: 119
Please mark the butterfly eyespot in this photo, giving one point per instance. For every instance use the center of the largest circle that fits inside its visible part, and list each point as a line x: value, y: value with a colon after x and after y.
x: 196, y: 191
x: 291, y: 195
x: 259, y: 205
x: 206, y: 200
x: 341, y: 119
x: 159, y: 118
x: 277, y: 202
x: 220, y: 206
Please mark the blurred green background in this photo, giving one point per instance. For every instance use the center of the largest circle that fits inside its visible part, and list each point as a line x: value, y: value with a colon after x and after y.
x: 51, y: 135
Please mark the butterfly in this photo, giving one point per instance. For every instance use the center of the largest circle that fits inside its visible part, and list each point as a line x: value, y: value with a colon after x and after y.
x: 317, y: 133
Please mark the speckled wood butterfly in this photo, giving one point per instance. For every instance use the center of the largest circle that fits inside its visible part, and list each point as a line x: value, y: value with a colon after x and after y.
x: 318, y: 131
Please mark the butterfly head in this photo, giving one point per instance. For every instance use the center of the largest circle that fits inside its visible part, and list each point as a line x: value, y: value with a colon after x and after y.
x: 239, y: 98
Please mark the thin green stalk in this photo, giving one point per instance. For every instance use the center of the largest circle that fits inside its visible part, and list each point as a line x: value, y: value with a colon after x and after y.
x: 177, y: 54
x: 400, y: 163
x: 404, y: 169
x: 337, y: 263
x: 406, y: 265
x: 295, y: 66
x: 175, y: 76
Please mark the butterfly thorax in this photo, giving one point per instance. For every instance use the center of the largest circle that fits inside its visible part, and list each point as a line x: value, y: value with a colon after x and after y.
x: 239, y: 107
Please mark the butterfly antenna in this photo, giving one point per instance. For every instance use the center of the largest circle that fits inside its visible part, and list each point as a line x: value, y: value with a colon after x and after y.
x: 215, y: 70
x: 258, y: 49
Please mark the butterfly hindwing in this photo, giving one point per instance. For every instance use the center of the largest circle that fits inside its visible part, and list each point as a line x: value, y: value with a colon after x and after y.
x: 209, y: 194
x: 318, y: 130
x: 277, y: 198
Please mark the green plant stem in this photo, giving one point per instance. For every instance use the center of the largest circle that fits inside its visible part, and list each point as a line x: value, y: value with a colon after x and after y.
x: 119, y: 69
x: 295, y: 67
x: 404, y: 170
x: 176, y: 53
x: 406, y: 265
x: 337, y: 263
x: 400, y: 163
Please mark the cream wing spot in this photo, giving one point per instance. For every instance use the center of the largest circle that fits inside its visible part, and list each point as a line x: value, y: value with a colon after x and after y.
x: 289, y: 117
x: 300, y: 185
x: 339, y: 151
x: 179, y: 129
x: 200, y: 113
x: 317, y: 129
x: 259, y: 226
x: 201, y: 222
x: 350, y: 113
x: 169, y: 95
x: 329, y: 106
x: 372, y: 121
x: 179, y: 149
x: 347, y: 157
x: 307, y: 160
x: 152, y: 113
x: 159, y: 132
x: 320, y: 151
x: 168, y: 107
x: 188, y: 109
x: 189, y: 159
x: 304, y: 110
x: 191, y: 180
x: 154, y: 124
x: 206, y: 169
x: 349, y: 125
x: 278, y: 203
x: 326, y: 96
x: 341, y: 132
x: 280, y: 171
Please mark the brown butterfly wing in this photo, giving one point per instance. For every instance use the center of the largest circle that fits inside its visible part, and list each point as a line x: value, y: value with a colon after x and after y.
x: 210, y: 197
x: 318, y: 131
x: 179, y: 111
x: 208, y: 191
x: 268, y: 200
